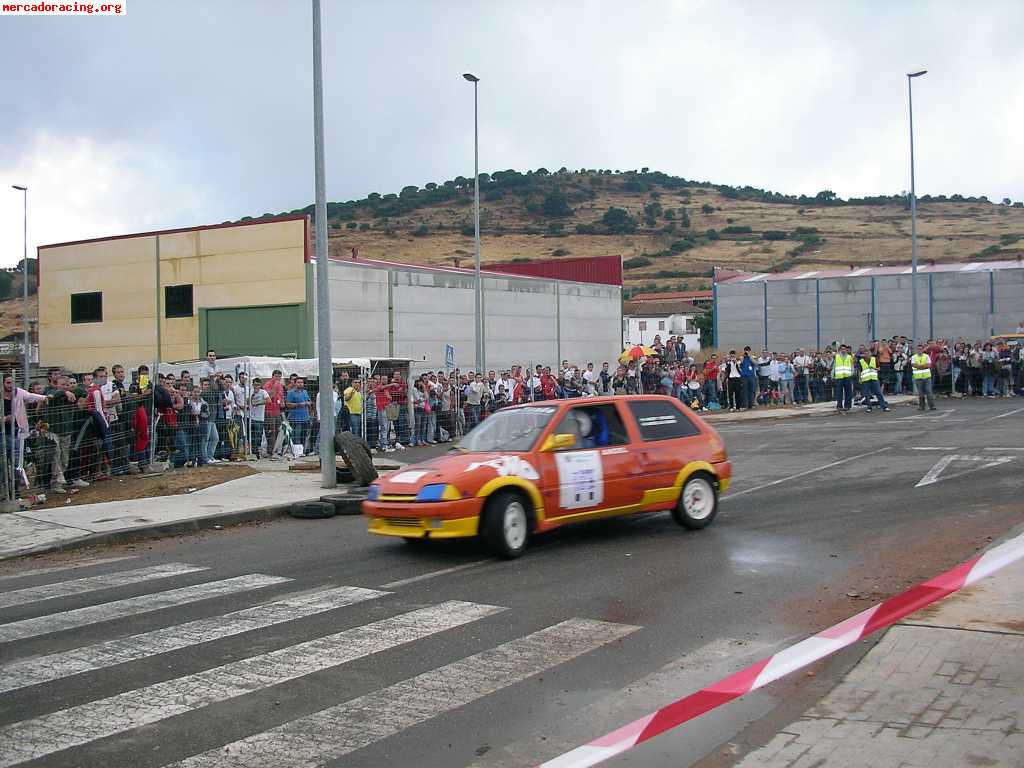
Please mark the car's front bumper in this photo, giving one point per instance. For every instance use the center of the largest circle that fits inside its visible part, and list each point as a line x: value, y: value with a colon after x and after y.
x: 418, y: 520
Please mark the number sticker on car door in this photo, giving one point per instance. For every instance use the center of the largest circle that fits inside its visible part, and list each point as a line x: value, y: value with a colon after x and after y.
x: 580, y: 479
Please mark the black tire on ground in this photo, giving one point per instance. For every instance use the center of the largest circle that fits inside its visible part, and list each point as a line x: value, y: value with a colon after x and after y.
x: 506, y: 524
x: 698, y: 502
x: 345, y: 503
x: 311, y: 510
x: 344, y: 475
x: 356, y: 454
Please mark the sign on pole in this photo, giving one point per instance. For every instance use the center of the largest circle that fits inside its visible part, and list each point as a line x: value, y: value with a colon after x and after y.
x: 449, y: 356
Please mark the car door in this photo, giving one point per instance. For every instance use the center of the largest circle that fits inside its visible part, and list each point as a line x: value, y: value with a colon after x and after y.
x: 666, y: 438
x: 593, y: 474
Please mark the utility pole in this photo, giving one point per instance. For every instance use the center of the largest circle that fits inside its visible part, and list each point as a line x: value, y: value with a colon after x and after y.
x: 328, y: 468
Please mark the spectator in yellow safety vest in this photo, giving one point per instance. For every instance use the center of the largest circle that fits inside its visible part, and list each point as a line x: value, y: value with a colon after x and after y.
x: 842, y: 373
x: 869, y: 384
x: 922, y: 366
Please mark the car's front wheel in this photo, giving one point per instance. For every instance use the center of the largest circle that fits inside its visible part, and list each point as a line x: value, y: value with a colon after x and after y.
x: 698, y: 503
x: 506, y: 525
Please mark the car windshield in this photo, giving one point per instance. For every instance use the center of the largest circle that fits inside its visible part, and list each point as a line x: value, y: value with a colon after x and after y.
x: 516, y: 429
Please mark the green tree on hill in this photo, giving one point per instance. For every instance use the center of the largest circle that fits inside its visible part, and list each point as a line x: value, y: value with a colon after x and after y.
x: 619, y: 221
x: 556, y: 204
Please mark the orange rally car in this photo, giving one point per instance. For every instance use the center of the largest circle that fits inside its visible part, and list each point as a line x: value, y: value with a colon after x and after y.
x: 531, y: 468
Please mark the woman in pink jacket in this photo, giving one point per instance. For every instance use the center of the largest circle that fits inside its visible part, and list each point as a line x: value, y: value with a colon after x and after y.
x: 16, y: 422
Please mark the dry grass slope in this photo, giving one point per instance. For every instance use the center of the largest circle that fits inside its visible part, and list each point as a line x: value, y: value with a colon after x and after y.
x: 514, y: 226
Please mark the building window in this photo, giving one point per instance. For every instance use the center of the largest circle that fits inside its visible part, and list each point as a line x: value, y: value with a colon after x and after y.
x: 87, y: 307
x: 178, y: 301
x: 661, y: 325
x: 643, y: 325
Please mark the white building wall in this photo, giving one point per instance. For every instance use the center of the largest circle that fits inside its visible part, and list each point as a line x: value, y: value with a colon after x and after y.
x: 664, y: 326
x: 590, y: 323
x: 526, y: 320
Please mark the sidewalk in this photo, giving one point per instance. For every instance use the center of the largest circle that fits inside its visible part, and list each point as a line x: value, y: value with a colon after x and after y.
x: 257, y: 497
x: 944, y: 688
x: 786, y: 412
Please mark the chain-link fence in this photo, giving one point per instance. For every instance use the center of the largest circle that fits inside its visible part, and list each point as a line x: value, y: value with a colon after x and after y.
x: 71, y: 430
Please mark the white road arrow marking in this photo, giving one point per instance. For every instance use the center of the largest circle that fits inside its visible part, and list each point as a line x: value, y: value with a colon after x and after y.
x: 984, y: 462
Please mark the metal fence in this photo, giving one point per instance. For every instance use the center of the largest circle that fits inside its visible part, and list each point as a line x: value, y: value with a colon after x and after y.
x: 66, y: 434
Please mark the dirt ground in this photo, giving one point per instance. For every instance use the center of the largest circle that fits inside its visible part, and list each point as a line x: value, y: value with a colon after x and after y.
x: 170, y: 483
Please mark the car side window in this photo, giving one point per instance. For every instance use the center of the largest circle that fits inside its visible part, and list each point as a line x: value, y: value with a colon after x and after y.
x: 593, y: 426
x: 661, y: 420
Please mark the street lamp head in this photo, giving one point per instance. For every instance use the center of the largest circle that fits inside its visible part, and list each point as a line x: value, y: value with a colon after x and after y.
x: 471, y: 77
x: 19, y: 187
x: 917, y: 74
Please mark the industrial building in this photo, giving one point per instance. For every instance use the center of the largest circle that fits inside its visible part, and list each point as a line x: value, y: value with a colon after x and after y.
x: 249, y: 289
x: 811, y: 309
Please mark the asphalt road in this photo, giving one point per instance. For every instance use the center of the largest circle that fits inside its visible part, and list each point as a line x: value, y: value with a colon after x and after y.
x: 359, y: 651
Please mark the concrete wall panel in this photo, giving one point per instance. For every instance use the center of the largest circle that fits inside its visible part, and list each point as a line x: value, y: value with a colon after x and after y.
x: 845, y: 309
x: 1009, y: 293
x: 792, y: 318
x: 740, y: 315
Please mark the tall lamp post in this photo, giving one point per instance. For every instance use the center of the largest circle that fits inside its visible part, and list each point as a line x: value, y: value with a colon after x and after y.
x: 913, y: 209
x: 24, y: 281
x: 479, y: 324
x: 328, y: 469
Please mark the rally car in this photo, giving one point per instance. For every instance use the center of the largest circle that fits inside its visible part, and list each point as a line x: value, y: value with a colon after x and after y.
x: 531, y: 468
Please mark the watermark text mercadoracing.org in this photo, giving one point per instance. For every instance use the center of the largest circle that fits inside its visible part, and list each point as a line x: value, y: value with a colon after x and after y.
x: 64, y: 9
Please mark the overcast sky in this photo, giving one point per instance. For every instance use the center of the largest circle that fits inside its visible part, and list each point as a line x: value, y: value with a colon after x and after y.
x: 184, y: 113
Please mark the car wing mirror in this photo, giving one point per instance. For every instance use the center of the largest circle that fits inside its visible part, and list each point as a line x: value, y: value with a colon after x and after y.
x: 558, y: 442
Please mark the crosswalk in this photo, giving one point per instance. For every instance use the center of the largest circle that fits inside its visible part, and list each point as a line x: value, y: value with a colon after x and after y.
x: 128, y: 687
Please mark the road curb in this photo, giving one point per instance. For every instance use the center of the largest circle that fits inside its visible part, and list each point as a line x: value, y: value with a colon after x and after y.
x: 159, y: 530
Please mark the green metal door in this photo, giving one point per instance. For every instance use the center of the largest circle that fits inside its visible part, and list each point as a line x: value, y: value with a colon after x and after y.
x: 270, y: 330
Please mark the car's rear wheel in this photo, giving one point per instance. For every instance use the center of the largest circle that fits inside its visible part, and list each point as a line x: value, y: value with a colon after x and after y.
x: 507, y: 524
x: 698, y: 503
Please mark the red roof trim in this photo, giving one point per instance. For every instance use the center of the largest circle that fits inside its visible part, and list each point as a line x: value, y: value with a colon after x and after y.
x: 272, y: 220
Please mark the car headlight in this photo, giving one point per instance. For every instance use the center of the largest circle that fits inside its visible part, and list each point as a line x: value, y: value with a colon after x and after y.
x: 374, y: 493
x: 438, y: 492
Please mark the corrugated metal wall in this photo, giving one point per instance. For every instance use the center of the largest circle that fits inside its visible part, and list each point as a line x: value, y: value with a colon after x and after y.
x: 606, y: 270
x: 404, y: 311
x: 783, y: 315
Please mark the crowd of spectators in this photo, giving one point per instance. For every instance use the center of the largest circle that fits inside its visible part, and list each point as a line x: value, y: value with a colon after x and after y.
x: 77, y: 429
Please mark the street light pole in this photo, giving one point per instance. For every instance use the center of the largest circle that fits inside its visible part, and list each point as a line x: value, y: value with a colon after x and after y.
x: 328, y: 468
x: 24, y: 281
x: 478, y: 291
x: 913, y: 209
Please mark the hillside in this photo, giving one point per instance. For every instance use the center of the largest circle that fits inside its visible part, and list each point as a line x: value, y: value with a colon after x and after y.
x: 670, y: 231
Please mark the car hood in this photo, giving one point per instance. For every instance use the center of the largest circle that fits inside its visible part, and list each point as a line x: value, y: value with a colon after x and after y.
x: 467, y: 471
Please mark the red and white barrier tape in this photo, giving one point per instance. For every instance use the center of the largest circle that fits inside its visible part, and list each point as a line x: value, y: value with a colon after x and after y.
x: 791, y: 659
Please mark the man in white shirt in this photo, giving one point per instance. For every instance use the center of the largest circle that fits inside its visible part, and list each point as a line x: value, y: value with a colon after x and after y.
x: 590, y: 380
x: 257, y: 399
x: 802, y: 369
x: 208, y: 370
x: 774, y: 372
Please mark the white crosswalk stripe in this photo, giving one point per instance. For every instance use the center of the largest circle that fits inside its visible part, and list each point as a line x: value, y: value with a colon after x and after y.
x: 132, y: 606
x: 44, y: 735
x: 41, y: 669
x: 93, y: 583
x: 336, y: 731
